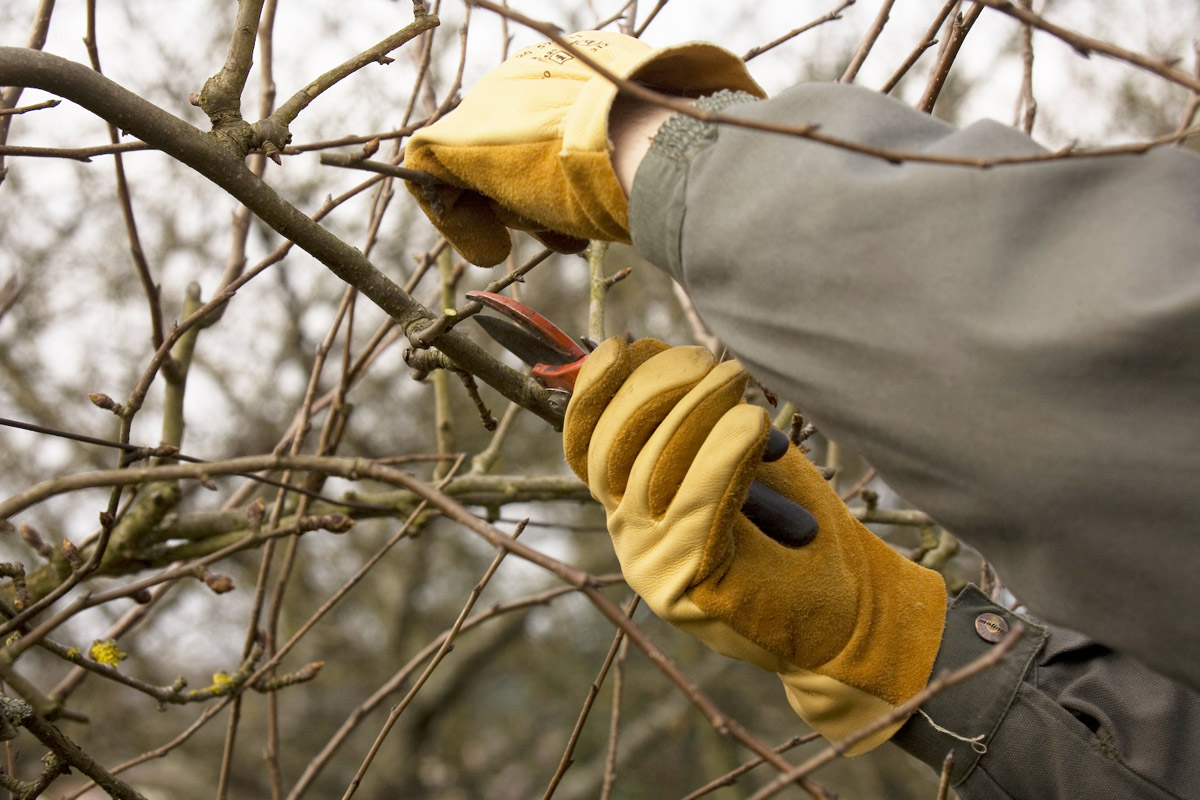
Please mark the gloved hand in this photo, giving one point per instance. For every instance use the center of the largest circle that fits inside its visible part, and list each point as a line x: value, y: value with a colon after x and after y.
x: 665, y: 442
x: 528, y: 147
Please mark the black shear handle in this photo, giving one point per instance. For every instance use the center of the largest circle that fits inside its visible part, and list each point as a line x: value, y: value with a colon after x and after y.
x: 786, y: 522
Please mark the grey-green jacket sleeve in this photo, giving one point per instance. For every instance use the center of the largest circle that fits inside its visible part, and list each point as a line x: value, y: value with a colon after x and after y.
x: 1017, y: 349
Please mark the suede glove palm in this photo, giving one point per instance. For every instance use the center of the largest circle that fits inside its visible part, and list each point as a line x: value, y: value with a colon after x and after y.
x: 528, y: 147
x: 665, y: 442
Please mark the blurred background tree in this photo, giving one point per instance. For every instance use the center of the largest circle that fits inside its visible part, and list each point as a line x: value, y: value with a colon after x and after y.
x: 147, y: 312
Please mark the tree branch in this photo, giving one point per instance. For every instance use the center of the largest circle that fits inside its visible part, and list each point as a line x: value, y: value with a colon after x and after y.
x: 18, y: 712
x: 1086, y: 45
x: 224, y: 166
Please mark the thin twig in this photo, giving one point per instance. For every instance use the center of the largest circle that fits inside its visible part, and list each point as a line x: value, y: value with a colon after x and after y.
x: 351, y: 161
x: 650, y: 18
x: 614, y: 726
x: 447, y: 643
x: 937, y: 78
x: 988, y: 660
x: 82, y: 154
x: 8, y: 112
x: 730, y: 778
x: 836, y: 14
x: 943, y: 792
x: 350, y: 141
x: 864, y: 49
x: 852, y: 492
x: 1193, y: 105
x: 1026, y: 100
x: 568, y: 756
x: 811, y: 132
x: 423, y: 56
x: 928, y: 41
x: 598, y: 289
x: 11, y: 95
x: 136, y: 252
x: 452, y: 98
x: 1086, y: 45
x: 378, y: 53
x: 482, y: 462
x: 700, y: 333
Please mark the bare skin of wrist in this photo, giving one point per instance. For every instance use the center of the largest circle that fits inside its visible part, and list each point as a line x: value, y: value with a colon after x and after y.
x: 631, y: 128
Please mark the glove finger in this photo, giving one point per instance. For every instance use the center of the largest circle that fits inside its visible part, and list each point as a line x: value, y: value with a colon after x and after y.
x: 558, y: 242
x: 602, y: 374
x: 645, y: 398
x: 665, y: 561
x: 669, y: 454
x: 468, y: 220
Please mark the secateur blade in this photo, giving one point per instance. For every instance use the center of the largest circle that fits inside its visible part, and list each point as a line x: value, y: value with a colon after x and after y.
x: 556, y: 360
x: 555, y: 357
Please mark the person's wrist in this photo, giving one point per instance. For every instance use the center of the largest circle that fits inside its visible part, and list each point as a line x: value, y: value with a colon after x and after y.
x: 631, y: 128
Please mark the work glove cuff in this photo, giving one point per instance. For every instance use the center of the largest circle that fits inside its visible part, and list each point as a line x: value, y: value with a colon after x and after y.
x: 531, y: 142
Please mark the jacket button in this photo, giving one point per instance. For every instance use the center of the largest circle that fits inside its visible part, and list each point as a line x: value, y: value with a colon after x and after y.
x: 991, y: 627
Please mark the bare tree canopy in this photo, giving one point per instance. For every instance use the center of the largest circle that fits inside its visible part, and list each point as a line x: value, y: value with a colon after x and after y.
x: 278, y: 519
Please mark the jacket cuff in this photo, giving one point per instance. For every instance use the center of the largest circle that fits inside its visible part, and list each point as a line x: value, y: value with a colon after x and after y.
x: 963, y: 718
x: 659, y: 196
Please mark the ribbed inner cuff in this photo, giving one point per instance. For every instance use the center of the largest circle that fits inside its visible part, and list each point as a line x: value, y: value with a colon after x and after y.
x: 659, y: 197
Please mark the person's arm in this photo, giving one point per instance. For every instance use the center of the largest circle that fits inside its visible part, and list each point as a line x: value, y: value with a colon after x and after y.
x: 961, y: 327
x: 1015, y: 348
x: 632, y: 125
x: 1062, y: 717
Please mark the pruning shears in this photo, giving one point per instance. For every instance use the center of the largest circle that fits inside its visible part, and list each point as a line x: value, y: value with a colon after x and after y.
x: 556, y: 359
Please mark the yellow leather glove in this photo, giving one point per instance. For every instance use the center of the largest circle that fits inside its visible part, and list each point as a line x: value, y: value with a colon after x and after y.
x: 665, y: 442
x: 528, y: 147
